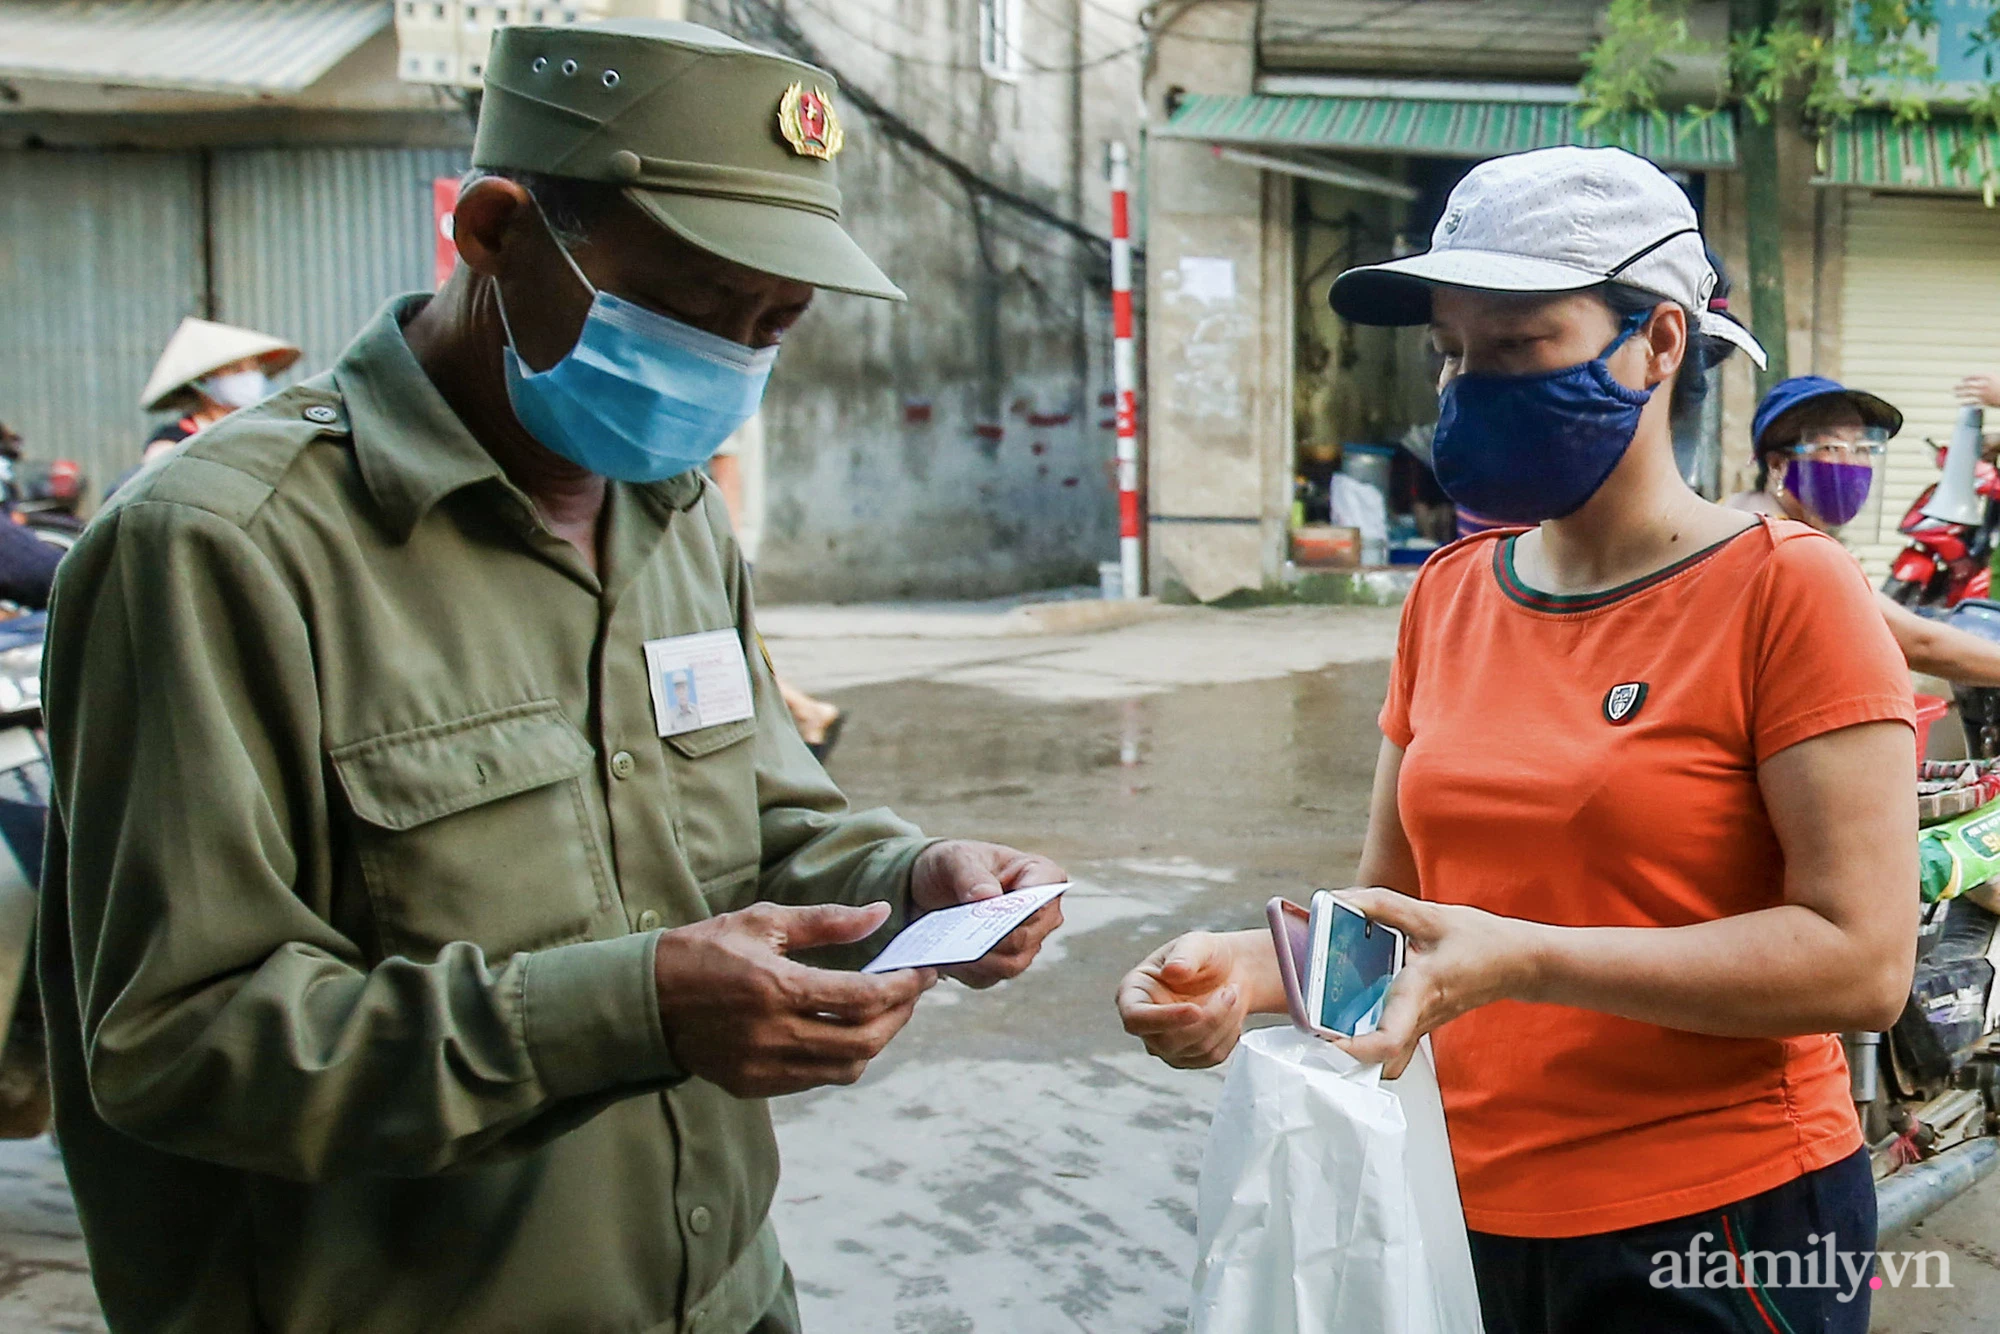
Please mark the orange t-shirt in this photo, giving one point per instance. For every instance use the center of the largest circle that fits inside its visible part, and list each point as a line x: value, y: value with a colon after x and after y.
x: 1592, y: 761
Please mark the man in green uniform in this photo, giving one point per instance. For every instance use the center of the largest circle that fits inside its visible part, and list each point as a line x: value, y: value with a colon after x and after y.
x: 430, y: 844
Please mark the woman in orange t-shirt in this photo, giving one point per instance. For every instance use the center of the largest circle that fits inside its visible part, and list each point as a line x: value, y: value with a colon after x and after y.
x: 1644, y: 805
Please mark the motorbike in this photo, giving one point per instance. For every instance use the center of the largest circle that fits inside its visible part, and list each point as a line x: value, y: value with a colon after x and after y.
x: 24, y: 809
x: 44, y: 496
x: 1951, y: 526
x: 1945, y: 563
x: 1927, y: 1092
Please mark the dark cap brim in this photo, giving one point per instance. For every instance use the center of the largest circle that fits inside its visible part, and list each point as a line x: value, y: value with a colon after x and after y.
x: 792, y: 243
x: 1874, y: 411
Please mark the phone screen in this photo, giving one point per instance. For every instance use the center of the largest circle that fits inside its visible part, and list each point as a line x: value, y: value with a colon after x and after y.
x: 1360, y: 960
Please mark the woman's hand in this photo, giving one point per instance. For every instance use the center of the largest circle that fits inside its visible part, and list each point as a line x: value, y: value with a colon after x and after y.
x: 1187, y: 1002
x: 1455, y: 959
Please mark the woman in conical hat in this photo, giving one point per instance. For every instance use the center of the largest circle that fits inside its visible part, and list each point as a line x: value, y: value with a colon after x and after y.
x: 207, y: 371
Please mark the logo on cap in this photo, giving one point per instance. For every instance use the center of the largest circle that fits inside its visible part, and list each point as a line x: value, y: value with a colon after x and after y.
x: 806, y: 119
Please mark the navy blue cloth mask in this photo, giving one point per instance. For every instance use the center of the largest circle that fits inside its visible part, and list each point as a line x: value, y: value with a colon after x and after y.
x: 1524, y: 448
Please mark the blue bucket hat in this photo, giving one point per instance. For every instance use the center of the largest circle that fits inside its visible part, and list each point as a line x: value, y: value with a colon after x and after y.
x: 1785, y: 395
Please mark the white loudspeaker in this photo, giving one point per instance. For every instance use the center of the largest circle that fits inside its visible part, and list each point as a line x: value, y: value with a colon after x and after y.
x: 1956, y: 499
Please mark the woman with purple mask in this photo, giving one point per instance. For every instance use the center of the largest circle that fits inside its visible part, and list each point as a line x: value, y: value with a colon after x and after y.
x: 1819, y: 452
x: 1819, y: 447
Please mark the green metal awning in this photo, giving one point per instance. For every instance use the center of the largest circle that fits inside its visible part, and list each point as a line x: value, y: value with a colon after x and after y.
x: 1438, y: 127
x: 1870, y: 149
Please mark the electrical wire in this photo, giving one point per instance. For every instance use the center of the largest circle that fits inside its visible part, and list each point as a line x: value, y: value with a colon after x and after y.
x: 835, y: 21
x: 955, y: 200
x: 775, y: 25
x: 1157, y: 27
x: 1360, y: 24
x: 1116, y: 17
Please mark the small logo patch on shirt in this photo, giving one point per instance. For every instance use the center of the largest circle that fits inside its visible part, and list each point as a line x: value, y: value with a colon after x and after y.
x: 1621, y: 702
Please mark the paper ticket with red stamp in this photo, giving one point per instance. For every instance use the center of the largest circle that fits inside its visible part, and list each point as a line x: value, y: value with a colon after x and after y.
x: 962, y: 934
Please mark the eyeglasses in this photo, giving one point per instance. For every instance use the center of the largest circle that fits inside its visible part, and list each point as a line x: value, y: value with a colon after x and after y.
x: 1843, y: 444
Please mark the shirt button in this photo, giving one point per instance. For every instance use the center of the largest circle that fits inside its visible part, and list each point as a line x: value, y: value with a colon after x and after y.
x: 623, y: 765
x: 649, y: 920
x: 698, y: 1219
x: 322, y: 414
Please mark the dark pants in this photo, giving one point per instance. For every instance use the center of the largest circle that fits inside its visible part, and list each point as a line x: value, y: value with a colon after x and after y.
x: 1687, y: 1275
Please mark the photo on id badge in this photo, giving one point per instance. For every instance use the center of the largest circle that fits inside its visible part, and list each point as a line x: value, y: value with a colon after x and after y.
x: 683, y: 704
x: 699, y: 680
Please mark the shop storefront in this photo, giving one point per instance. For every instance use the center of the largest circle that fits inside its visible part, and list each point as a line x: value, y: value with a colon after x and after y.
x: 249, y: 161
x: 1322, y: 447
x: 1916, y: 259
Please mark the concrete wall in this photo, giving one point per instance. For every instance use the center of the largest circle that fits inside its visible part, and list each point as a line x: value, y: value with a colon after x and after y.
x: 1219, y: 333
x: 956, y: 445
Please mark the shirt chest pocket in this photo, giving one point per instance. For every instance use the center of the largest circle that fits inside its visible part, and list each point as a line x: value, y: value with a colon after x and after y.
x: 477, y: 830
x: 714, y: 775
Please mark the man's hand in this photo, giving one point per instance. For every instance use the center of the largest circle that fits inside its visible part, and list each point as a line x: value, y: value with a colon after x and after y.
x: 1983, y: 388
x: 741, y: 1015
x: 962, y: 871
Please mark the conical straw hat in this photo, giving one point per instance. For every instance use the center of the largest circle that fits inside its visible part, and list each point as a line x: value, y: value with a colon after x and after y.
x: 201, y: 346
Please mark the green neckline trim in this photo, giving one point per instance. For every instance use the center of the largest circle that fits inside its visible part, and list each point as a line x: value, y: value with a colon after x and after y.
x: 1572, y: 603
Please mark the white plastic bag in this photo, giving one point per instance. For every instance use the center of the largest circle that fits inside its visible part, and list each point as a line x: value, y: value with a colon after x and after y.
x: 1353, y: 503
x: 1328, y: 1204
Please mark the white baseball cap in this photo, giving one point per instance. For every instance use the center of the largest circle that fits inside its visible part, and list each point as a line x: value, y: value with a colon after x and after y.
x: 1552, y: 220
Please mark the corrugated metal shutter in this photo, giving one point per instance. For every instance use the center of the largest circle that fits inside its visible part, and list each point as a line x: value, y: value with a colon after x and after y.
x: 1542, y: 39
x: 1920, y: 287
x: 100, y: 258
x: 309, y: 242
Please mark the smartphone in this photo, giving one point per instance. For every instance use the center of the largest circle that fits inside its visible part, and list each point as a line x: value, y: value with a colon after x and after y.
x: 1291, y: 938
x: 1351, y: 962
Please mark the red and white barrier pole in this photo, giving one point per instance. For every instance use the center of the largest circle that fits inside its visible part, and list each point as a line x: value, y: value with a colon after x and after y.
x: 1125, y: 370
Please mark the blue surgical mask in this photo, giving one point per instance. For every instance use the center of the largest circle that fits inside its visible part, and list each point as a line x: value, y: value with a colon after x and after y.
x: 641, y: 397
x: 1524, y: 448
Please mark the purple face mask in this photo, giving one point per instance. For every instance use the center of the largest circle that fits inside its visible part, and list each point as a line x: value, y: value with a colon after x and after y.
x: 1831, y: 492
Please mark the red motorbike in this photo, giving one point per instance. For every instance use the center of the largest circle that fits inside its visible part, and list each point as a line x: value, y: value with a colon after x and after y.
x: 1947, y: 562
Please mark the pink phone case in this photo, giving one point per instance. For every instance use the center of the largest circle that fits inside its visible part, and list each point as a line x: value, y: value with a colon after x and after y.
x: 1292, y: 939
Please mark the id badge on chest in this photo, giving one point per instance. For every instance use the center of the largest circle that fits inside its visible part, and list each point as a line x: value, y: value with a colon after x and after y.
x: 698, y: 681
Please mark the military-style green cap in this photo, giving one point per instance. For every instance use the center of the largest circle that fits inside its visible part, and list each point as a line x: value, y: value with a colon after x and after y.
x: 728, y: 147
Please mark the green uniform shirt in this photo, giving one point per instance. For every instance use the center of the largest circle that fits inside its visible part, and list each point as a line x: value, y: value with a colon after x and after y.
x: 363, y: 835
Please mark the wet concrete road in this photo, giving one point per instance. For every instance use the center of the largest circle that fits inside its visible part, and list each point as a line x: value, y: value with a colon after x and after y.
x: 1014, y: 1164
